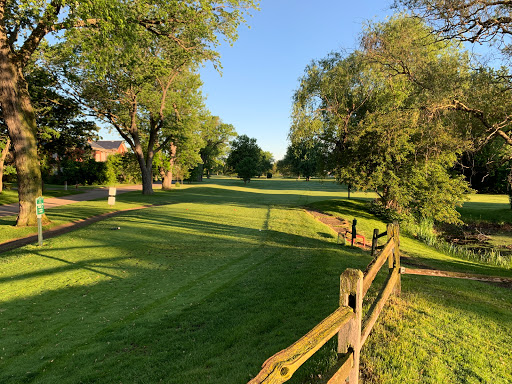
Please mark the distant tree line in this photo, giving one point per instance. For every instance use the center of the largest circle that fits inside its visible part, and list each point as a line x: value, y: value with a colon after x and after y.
x: 247, y: 160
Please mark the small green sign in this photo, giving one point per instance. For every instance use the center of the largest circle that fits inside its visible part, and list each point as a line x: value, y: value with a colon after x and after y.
x: 40, y: 205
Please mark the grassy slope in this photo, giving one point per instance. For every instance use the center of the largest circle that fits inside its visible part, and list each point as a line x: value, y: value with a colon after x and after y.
x: 487, y: 208
x: 204, y: 289
x: 440, y: 330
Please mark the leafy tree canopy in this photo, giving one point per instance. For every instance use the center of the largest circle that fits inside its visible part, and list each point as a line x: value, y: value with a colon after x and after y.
x: 247, y: 159
x: 104, y: 33
x: 216, y: 135
x: 377, y: 113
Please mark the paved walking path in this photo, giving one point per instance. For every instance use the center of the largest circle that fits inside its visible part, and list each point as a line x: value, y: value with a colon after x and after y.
x: 13, y: 209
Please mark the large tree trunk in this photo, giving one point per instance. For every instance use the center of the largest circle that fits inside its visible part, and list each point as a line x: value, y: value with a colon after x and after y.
x: 146, y: 169
x: 167, y: 174
x: 147, y: 174
x: 166, y: 179
x: 200, y: 172
x: 20, y: 119
x: 147, y: 181
x: 5, y: 151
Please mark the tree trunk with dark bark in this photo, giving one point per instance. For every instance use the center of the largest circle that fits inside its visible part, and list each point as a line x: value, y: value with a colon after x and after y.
x: 146, y: 167
x: 166, y: 179
x: 147, y: 181
x: 20, y: 119
x: 200, y: 170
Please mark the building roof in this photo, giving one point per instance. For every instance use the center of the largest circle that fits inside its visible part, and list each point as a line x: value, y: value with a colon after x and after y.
x: 106, y: 144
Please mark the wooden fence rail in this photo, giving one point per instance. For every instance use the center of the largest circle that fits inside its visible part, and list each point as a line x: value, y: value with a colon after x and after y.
x: 346, y: 321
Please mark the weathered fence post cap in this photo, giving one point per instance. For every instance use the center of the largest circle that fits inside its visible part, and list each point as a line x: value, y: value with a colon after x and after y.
x: 350, y: 272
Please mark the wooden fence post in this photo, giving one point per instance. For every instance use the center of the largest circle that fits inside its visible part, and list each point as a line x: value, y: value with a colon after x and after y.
x: 396, y: 251
x: 391, y: 260
x: 374, y: 241
x: 349, y: 337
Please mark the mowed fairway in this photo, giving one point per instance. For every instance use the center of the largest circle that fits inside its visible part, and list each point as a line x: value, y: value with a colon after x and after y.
x: 201, y: 290
x: 207, y: 286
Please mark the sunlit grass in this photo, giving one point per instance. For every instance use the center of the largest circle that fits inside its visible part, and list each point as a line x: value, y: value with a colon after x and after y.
x: 487, y: 208
x: 218, y: 190
x: 206, y: 287
x: 200, y: 290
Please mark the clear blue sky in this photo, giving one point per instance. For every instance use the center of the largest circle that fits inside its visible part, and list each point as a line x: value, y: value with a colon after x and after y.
x: 262, y: 68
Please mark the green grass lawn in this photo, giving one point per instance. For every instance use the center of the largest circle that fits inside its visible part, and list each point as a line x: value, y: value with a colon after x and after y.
x: 206, y: 287
x: 487, y: 208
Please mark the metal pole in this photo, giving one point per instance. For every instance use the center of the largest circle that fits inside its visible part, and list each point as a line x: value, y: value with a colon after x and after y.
x: 374, y: 241
x: 40, y: 231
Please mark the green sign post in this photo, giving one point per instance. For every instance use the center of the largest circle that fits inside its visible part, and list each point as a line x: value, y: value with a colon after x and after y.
x: 40, y: 212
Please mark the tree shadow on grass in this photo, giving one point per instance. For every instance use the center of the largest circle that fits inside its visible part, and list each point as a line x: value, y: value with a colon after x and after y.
x: 194, y: 301
x: 347, y: 209
x: 176, y: 313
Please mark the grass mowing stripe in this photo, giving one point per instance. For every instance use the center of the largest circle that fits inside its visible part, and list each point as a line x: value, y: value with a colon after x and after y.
x: 252, y: 230
x: 249, y: 294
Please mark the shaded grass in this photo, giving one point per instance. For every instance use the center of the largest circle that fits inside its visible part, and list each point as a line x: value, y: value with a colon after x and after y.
x: 11, y: 196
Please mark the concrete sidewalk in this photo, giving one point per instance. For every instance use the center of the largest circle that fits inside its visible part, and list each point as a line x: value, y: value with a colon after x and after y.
x: 13, y: 209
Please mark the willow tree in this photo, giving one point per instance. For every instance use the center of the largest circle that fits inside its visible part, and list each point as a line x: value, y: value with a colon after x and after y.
x: 467, y: 20
x: 375, y: 112
x: 190, y: 25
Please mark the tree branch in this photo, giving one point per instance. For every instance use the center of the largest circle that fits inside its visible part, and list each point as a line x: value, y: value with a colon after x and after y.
x: 43, y: 27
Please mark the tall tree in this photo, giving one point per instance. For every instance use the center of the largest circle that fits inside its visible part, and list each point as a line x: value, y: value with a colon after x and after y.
x: 189, y: 25
x: 149, y: 102
x: 375, y: 110
x: 245, y: 158
x: 304, y: 158
x: 488, y: 103
x: 5, y: 145
x: 181, y: 155
x: 266, y: 162
x: 216, y: 135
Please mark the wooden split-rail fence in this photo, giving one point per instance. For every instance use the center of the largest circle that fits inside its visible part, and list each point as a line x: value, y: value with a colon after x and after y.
x: 346, y: 322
